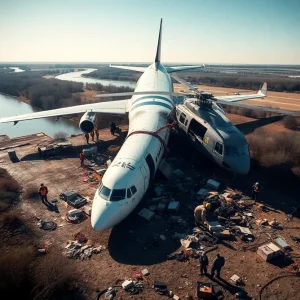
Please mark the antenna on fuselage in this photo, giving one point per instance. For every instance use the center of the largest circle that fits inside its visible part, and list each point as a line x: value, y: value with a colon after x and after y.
x: 157, y: 57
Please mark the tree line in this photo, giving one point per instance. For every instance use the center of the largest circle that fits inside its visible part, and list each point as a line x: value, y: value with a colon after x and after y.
x: 42, y: 93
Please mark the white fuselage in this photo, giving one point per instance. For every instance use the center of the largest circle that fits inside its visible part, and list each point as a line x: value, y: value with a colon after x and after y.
x: 127, y: 178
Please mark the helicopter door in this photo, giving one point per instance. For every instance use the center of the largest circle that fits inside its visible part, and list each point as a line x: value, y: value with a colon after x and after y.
x: 182, y: 120
x: 218, y: 151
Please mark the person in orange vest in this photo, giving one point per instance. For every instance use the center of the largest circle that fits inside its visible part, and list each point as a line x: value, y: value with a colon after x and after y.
x: 43, y: 191
x: 256, y: 189
x: 97, y: 134
x: 81, y: 156
x: 92, y: 135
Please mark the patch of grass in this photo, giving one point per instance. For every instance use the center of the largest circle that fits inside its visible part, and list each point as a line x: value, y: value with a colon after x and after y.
x: 276, y: 149
x: 290, y: 122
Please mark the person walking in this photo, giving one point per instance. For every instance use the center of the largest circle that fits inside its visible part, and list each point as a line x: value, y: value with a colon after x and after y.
x: 217, y: 265
x: 97, y: 134
x: 256, y: 189
x: 203, y: 260
x: 43, y: 191
x: 87, y: 137
x: 92, y: 135
x: 81, y: 156
x: 113, y: 128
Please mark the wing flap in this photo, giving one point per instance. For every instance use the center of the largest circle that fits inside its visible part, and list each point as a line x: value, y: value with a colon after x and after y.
x: 111, y: 107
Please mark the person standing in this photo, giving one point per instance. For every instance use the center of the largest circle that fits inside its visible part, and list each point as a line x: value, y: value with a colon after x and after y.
x: 81, y: 156
x: 217, y: 265
x: 203, y: 260
x: 87, y: 137
x: 43, y: 191
x: 256, y: 189
x: 97, y: 134
x: 113, y: 128
x: 92, y: 135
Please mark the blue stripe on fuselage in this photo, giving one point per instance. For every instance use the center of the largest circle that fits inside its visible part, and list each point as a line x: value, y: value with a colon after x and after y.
x: 152, y: 103
x: 153, y: 97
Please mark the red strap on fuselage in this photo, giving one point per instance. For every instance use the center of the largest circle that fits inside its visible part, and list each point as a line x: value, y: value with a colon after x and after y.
x: 155, y: 134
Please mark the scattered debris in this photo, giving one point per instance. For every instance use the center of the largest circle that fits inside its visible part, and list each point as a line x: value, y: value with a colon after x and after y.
x: 268, y: 252
x: 80, y: 237
x: 47, y: 225
x: 75, y: 216
x: 146, y: 214
x: 215, y: 185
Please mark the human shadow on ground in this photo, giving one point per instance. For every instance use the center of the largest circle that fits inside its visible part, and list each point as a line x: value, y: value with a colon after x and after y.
x: 232, y: 289
x: 51, y: 207
x: 249, y: 127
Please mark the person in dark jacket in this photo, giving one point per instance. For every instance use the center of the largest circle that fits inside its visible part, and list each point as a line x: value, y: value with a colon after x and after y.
x: 217, y: 265
x: 256, y: 189
x: 113, y: 128
x: 203, y: 260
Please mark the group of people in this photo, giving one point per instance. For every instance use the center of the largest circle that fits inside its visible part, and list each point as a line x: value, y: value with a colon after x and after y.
x: 216, y: 267
x: 92, y: 134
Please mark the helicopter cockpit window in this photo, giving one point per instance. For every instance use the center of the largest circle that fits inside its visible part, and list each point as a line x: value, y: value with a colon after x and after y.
x: 182, y: 118
x: 219, y: 148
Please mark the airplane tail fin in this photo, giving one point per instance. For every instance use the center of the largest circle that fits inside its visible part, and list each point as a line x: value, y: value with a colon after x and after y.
x: 157, y: 57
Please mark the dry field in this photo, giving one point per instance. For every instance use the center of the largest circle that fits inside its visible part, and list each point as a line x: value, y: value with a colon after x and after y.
x: 286, y: 101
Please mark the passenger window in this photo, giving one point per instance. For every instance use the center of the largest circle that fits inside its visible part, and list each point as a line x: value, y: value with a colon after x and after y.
x: 129, y: 194
x: 118, y: 195
x: 219, y: 148
x: 133, y: 190
x: 186, y: 121
x: 105, y: 192
x: 182, y: 118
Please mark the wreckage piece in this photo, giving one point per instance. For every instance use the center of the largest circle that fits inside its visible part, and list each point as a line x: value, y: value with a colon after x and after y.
x: 75, y: 216
x: 146, y: 214
x: 204, y: 290
x: 268, y: 251
x: 215, y: 185
x: 47, y: 225
x: 214, y: 226
x: 73, y: 198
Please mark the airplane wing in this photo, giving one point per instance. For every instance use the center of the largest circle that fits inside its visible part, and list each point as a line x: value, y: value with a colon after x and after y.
x: 112, y: 107
x: 182, y: 68
x: 138, y: 69
x: 260, y: 94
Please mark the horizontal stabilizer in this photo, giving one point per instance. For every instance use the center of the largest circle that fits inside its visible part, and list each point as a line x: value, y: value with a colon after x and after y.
x: 137, y: 69
x: 182, y: 68
x: 235, y: 98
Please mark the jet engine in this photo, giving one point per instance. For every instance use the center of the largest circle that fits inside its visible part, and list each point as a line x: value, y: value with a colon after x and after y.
x: 87, y: 122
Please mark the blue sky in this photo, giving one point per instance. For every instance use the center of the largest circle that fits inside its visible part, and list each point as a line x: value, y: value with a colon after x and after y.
x: 194, y: 31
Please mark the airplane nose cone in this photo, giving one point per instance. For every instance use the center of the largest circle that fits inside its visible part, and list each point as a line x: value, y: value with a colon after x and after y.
x: 104, y: 214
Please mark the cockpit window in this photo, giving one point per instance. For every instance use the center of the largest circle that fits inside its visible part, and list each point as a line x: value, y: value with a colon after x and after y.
x: 105, y: 192
x: 129, y: 193
x: 133, y: 190
x: 118, y: 195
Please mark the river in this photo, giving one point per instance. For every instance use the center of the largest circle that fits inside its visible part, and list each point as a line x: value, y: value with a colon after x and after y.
x: 77, y: 76
x: 12, y: 106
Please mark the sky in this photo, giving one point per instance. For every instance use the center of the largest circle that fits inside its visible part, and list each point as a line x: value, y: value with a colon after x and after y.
x: 194, y: 31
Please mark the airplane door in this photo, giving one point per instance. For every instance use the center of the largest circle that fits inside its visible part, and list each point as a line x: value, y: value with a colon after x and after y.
x: 144, y: 174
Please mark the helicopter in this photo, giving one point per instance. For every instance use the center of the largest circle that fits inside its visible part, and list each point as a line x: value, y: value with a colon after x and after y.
x: 202, y: 120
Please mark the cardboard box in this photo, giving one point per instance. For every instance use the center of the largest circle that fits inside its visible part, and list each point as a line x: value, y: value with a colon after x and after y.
x: 268, y: 252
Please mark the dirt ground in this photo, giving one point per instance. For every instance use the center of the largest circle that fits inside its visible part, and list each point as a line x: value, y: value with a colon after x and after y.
x: 126, y: 243
x: 287, y: 101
